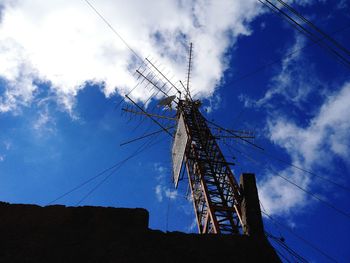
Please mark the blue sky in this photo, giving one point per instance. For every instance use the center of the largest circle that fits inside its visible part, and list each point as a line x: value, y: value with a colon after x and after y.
x: 62, y: 72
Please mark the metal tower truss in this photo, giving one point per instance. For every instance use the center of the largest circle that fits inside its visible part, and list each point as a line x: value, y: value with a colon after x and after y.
x: 215, y: 192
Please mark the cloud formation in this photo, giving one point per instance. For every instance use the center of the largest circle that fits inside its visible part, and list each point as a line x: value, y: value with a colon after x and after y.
x: 293, y: 83
x: 313, y: 147
x: 65, y: 44
x: 326, y: 132
x: 162, y: 189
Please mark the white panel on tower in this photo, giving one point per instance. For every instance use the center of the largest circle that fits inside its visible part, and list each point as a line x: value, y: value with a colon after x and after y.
x: 179, y: 147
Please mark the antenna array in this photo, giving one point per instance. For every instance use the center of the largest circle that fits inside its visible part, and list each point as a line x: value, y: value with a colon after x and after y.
x: 215, y: 192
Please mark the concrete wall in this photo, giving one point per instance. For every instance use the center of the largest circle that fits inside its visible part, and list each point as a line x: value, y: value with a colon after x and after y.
x: 30, y: 233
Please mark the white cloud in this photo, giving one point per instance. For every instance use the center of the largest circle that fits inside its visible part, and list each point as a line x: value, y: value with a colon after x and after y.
x: 327, y: 132
x: 159, y: 168
x: 280, y: 197
x: 158, y: 191
x: 44, y: 124
x: 311, y: 147
x: 292, y: 84
x: 6, y: 145
x: 18, y: 74
x: 162, y: 190
x: 66, y: 43
x: 171, y: 194
x: 214, y: 103
x: 161, y: 171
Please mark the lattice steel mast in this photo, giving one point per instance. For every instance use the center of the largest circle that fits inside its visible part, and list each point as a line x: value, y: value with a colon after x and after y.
x: 220, y: 205
x: 215, y: 192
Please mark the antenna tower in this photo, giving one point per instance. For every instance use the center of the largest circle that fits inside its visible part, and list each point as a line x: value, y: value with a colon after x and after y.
x: 221, y: 205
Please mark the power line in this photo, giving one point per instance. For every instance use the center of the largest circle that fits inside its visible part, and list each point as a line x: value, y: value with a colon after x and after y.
x: 300, y: 237
x: 282, y: 255
x: 340, y: 57
x: 141, y: 60
x: 113, y: 30
x: 267, y: 65
x: 325, y: 36
x: 113, y: 168
x: 275, y: 61
x: 142, y: 148
x: 236, y: 135
x: 120, y: 37
x: 345, y: 50
x: 283, y: 245
x: 266, y: 153
x: 84, y: 183
x: 277, y: 228
x: 344, y: 187
x: 97, y: 186
x: 340, y: 211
